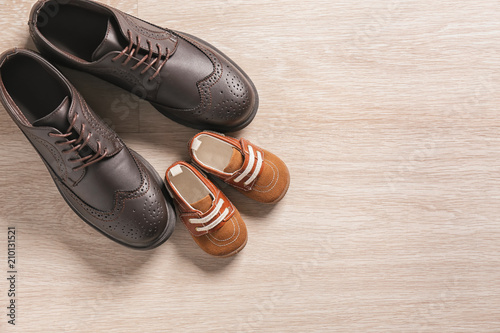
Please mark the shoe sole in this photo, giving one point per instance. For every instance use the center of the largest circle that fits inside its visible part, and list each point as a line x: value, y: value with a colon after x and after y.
x: 167, y: 114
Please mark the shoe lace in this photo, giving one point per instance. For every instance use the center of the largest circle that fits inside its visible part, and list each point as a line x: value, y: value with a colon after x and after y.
x: 78, y: 144
x: 250, y: 166
x: 149, y: 59
x: 210, y: 217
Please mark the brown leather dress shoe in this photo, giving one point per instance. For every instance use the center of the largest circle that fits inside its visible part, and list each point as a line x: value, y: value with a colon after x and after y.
x: 109, y: 186
x: 214, y: 223
x: 253, y: 171
x: 184, y: 77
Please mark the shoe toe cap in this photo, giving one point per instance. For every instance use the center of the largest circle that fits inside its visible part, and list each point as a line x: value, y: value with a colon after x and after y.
x: 234, y: 100
x: 146, y: 221
x: 226, y: 99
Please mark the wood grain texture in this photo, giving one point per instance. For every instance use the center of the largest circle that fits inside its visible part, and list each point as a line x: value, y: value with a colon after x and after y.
x: 386, y: 113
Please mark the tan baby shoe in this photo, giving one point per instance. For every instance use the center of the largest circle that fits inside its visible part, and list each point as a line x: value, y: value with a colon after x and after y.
x: 212, y: 220
x: 255, y: 172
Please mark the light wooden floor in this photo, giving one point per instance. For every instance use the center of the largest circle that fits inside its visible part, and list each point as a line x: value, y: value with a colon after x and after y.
x: 387, y: 114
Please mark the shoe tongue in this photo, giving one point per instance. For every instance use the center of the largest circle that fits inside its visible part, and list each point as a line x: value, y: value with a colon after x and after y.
x: 204, y: 204
x: 58, y: 118
x: 113, y: 41
x: 235, y: 163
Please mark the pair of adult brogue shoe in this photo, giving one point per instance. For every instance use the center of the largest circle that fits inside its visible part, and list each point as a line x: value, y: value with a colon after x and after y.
x: 108, y: 185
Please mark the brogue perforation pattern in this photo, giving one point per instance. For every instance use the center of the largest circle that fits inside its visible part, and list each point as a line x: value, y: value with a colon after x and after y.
x: 204, y: 86
x: 120, y: 198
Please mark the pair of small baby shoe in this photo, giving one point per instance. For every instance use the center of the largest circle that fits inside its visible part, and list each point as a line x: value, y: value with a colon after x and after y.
x: 213, y: 221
